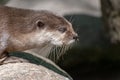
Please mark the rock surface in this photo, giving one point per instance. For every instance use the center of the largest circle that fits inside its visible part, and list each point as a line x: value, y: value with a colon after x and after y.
x: 27, y: 71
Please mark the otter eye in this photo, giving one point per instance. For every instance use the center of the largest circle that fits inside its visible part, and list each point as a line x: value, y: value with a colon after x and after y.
x: 63, y: 29
x: 40, y: 24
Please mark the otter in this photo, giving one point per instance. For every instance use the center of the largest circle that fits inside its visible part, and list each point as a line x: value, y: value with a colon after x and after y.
x: 23, y: 29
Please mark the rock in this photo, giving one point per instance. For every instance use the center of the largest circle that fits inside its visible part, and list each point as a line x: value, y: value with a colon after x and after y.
x: 27, y: 71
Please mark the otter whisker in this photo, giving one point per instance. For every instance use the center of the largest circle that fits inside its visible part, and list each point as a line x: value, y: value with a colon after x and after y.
x: 62, y: 47
x: 70, y: 19
x: 43, y: 49
x: 52, y: 52
x: 77, y: 28
x: 62, y: 51
x: 70, y: 46
x: 47, y: 50
x: 58, y: 52
x: 55, y: 53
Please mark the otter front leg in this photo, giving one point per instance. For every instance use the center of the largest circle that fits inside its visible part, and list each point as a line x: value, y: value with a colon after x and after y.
x: 3, y: 53
x: 3, y: 56
x: 3, y: 45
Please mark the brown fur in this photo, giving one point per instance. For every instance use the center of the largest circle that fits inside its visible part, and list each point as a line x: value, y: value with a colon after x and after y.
x: 20, y: 24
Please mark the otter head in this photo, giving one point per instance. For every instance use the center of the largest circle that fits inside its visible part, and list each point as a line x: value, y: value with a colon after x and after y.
x: 54, y: 29
x: 35, y: 28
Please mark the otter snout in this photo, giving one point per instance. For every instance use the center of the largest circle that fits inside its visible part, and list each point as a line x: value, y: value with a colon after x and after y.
x: 76, y: 38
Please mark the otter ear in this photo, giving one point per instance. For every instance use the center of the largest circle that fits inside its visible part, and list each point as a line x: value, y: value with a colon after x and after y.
x: 40, y: 24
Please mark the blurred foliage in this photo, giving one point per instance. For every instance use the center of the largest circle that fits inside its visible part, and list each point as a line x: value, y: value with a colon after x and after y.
x: 2, y: 2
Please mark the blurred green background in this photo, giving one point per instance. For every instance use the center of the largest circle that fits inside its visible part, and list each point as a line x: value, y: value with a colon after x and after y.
x: 2, y: 2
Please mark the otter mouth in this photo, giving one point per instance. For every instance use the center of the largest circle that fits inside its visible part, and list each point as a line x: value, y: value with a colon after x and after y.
x: 71, y: 42
x: 61, y: 43
x: 63, y: 39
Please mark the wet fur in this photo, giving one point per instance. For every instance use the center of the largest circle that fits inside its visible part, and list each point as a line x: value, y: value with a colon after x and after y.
x: 19, y: 32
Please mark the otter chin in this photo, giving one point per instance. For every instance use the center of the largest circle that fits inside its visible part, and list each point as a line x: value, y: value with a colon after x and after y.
x: 23, y: 29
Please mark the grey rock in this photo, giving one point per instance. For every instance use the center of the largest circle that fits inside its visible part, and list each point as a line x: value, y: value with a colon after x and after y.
x: 27, y: 71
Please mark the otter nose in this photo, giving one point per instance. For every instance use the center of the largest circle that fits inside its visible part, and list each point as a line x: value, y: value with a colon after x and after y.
x: 76, y: 38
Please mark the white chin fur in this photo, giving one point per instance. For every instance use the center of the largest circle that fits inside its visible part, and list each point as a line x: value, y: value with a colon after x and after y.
x: 58, y: 43
x: 71, y: 41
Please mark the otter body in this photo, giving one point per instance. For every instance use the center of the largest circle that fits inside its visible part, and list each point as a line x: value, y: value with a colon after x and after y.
x: 23, y: 29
